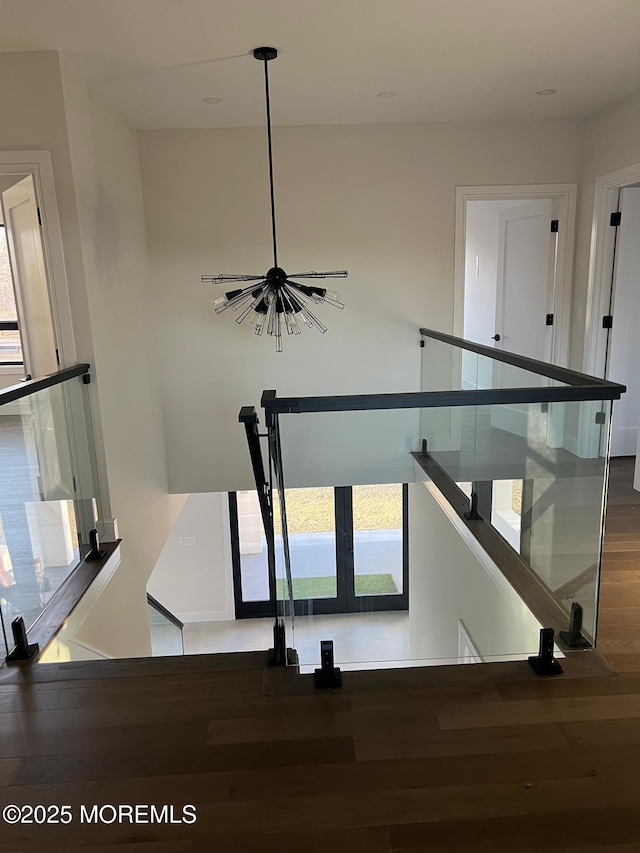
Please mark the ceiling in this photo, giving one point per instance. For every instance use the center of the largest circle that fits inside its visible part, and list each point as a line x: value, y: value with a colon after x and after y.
x: 447, y: 60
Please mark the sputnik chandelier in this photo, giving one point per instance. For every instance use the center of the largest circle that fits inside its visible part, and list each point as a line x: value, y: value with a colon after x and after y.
x: 277, y: 298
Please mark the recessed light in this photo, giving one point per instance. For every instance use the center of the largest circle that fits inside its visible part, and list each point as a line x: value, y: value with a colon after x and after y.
x: 212, y: 100
x: 546, y: 91
x: 387, y: 94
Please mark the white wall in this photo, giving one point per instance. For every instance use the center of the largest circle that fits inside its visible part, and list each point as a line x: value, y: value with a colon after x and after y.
x: 81, y: 635
x: 106, y: 174
x: 48, y: 105
x: 624, y: 356
x: 195, y: 581
x: 448, y: 582
x: 378, y: 200
x: 612, y: 141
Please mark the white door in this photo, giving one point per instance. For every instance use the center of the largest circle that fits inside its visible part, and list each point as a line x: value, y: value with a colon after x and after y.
x: 624, y: 342
x: 524, y: 297
x: 525, y: 279
x: 20, y: 211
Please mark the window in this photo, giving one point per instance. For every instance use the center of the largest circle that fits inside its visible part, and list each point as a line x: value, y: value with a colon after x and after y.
x: 10, y: 346
x: 348, y: 548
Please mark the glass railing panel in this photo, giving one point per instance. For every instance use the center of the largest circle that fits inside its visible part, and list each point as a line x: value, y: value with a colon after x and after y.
x: 449, y: 367
x: 546, y: 469
x: 366, y: 570
x: 496, y: 374
x: 446, y: 367
x: 48, y: 496
x: 166, y: 635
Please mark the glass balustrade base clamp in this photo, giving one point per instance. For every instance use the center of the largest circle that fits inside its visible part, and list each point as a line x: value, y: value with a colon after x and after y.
x: 544, y: 662
x: 573, y: 638
x: 24, y: 649
x: 278, y: 654
x: 328, y: 677
x: 473, y: 514
x: 95, y: 553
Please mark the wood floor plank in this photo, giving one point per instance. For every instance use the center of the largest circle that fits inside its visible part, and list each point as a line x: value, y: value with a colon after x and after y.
x: 532, y: 711
x: 559, y: 688
x: 426, y: 805
x: 412, y: 719
x: 144, y: 739
x: 571, y: 831
x: 8, y: 767
x: 133, y: 846
x: 368, y: 839
x: 91, y: 766
x: 20, y: 701
x: 460, y: 742
x: 214, y: 821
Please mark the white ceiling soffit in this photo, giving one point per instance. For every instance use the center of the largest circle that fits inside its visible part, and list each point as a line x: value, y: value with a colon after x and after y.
x: 447, y: 60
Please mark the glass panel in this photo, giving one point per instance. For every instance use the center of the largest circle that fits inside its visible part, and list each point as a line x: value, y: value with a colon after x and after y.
x: 166, y: 637
x: 10, y: 347
x: 374, y: 451
x: 254, y: 566
x: 377, y: 539
x: 47, y: 496
x: 446, y: 367
x: 506, y: 510
x: 7, y: 297
x: 497, y: 374
x: 546, y: 467
x: 312, y: 544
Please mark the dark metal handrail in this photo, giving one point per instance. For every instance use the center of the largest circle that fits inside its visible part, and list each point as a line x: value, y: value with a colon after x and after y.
x: 576, y: 387
x: 153, y: 602
x: 542, y: 368
x: 436, y: 399
x: 31, y: 386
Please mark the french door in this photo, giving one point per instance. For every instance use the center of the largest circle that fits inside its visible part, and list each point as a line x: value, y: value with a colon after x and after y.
x: 348, y: 547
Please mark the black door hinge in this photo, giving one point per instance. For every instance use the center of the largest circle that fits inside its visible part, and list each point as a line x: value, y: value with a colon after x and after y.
x: 39, y: 217
x: 549, y: 320
x: 600, y: 418
x: 616, y: 218
x: 421, y: 343
x: 554, y: 226
x: 58, y: 357
x: 607, y: 321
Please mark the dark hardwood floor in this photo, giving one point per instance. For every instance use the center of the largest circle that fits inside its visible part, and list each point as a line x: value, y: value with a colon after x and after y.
x: 619, y: 620
x: 487, y: 758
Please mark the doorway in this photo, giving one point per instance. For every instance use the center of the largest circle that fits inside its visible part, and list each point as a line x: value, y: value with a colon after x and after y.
x: 611, y: 341
x: 25, y: 287
x: 513, y: 268
x: 348, y: 547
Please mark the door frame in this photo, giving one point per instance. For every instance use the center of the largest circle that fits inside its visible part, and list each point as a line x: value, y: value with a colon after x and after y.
x: 591, y: 442
x: 566, y: 196
x: 601, y: 263
x: 38, y: 165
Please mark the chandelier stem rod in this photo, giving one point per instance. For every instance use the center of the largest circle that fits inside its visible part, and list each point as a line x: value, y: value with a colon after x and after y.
x: 271, y: 190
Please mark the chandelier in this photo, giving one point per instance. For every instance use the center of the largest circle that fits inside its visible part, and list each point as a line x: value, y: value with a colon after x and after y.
x: 277, y: 298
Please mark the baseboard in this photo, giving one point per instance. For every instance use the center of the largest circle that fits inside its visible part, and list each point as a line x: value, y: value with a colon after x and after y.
x: 206, y: 616
x: 571, y: 443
